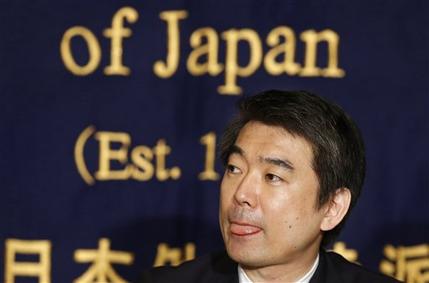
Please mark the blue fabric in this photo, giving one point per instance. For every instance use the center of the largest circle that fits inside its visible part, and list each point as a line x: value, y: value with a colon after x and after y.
x: 45, y: 108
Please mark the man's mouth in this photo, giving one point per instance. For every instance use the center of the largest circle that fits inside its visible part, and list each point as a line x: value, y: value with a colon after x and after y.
x: 244, y: 229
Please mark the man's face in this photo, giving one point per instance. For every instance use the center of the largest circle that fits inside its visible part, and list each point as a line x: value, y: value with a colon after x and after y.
x: 268, y: 204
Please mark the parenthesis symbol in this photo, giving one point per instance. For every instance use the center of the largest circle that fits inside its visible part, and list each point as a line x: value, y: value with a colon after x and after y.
x: 79, y: 155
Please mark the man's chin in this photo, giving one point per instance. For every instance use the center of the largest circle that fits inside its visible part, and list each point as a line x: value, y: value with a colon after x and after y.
x: 247, y: 258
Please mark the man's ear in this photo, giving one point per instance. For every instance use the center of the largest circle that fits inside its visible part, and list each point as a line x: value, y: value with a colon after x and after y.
x: 336, y: 209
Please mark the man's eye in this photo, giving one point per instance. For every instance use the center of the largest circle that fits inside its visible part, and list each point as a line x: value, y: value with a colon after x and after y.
x: 273, y: 178
x: 232, y: 169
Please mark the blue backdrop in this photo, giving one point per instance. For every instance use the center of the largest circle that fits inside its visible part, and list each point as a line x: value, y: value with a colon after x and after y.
x: 110, y: 112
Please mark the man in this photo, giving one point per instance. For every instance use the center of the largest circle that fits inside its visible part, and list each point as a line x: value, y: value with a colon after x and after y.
x: 295, y: 166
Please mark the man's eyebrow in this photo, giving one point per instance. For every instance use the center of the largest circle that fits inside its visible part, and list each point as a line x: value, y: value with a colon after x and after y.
x: 278, y: 162
x: 236, y: 149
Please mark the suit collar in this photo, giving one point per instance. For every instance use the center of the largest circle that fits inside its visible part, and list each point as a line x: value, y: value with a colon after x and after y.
x: 224, y: 268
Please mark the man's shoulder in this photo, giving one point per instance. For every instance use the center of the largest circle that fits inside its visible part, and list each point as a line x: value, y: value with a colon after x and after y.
x: 215, y: 267
x: 218, y: 267
x: 338, y: 269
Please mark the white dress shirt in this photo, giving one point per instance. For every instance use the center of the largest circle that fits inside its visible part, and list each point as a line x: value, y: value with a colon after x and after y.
x: 243, y: 278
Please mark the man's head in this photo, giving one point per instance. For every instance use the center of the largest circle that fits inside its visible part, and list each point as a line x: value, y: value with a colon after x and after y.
x: 295, y: 164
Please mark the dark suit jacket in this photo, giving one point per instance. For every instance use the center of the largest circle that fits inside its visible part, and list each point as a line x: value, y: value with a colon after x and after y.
x: 219, y: 268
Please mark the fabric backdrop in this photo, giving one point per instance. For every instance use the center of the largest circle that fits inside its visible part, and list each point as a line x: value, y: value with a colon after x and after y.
x: 110, y: 112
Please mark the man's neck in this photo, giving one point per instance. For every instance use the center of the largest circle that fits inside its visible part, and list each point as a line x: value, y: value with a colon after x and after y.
x: 288, y: 272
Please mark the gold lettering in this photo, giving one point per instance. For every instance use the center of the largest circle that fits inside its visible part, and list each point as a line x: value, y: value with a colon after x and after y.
x: 287, y: 48
x: 210, y: 49
x: 161, y: 150
x: 408, y: 264
x: 79, y: 154
x: 173, y: 256
x: 141, y: 157
x: 93, y: 49
x: 40, y: 269
x: 209, y: 173
x: 232, y: 69
x: 106, y: 154
x: 167, y: 69
x: 116, y: 33
x: 101, y: 269
x: 312, y: 38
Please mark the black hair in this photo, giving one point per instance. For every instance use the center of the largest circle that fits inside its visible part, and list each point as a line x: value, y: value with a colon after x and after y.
x: 337, y: 144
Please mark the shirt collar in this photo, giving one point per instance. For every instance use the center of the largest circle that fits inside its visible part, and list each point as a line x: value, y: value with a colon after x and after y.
x: 243, y: 278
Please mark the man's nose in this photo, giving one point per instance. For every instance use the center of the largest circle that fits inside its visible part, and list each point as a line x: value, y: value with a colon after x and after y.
x: 246, y: 192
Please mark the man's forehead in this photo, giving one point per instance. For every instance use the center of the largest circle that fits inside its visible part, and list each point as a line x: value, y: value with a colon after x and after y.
x: 272, y: 134
x: 270, y: 143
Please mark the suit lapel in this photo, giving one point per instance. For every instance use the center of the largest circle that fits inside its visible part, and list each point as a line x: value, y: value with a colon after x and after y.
x: 326, y: 272
x: 320, y: 274
x: 224, y: 269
